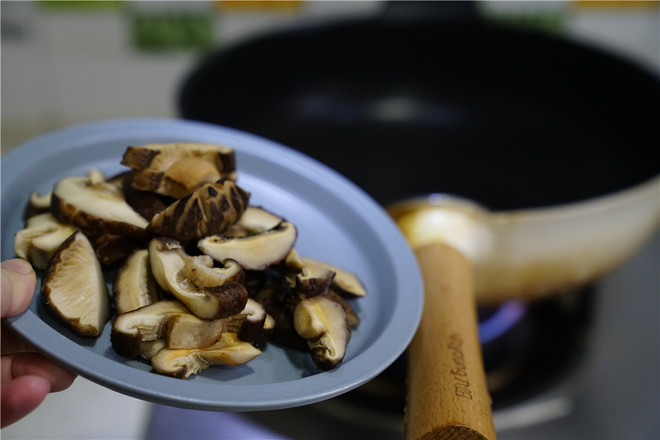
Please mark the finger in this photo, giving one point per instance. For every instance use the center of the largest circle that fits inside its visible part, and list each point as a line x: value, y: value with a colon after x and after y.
x: 18, y: 283
x: 33, y: 364
x: 21, y: 396
x: 11, y: 343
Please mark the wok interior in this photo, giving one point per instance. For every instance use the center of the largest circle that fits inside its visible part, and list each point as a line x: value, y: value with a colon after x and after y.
x: 507, y: 118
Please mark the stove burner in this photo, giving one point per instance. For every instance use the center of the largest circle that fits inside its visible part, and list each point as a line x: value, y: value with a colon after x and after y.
x: 527, y: 347
x: 539, y: 349
x: 497, y: 321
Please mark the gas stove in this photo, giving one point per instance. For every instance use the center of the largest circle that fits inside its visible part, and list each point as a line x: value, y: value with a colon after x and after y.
x: 580, y: 365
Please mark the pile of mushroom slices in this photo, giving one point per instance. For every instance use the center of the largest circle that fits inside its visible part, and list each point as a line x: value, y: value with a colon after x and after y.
x: 201, y: 277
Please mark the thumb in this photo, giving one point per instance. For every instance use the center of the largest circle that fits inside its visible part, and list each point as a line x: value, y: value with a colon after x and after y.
x: 18, y: 283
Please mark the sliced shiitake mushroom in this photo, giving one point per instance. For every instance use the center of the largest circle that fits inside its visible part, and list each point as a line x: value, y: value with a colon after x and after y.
x: 253, y: 325
x: 149, y: 323
x: 187, y: 331
x: 306, y: 277
x: 145, y: 203
x: 39, y: 240
x: 284, y: 332
x: 263, y: 336
x: 322, y: 322
x: 112, y: 248
x: 209, y: 292
x: 352, y: 318
x: 345, y: 283
x: 134, y: 285
x: 253, y: 252
x: 313, y: 279
x: 254, y: 220
x: 96, y: 206
x: 148, y: 349
x: 37, y: 204
x: 279, y: 304
x: 177, y: 169
x: 182, y: 363
x: 74, y: 288
x: 209, y: 210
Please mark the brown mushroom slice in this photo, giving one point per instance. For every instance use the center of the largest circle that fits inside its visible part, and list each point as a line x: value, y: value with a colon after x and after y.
x: 73, y: 286
x: 253, y: 252
x: 37, y: 204
x: 209, y: 210
x: 253, y: 324
x: 345, y: 283
x: 254, y: 220
x: 187, y: 331
x: 182, y: 363
x: 322, y: 322
x: 262, y: 337
x: 112, y: 248
x: 294, y: 261
x: 39, y: 240
x: 145, y: 203
x: 144, y: 350
x: 279, y: 307
x: 307, y: 277
x: 209, y: 292
x: 352, y: 318
x: 96, y: 206
x: 134, y: 285
x: 147, y: 349
x: 313, y: 279
x: 200, y: 271
x: 149, y: 323
x: 177, y: 169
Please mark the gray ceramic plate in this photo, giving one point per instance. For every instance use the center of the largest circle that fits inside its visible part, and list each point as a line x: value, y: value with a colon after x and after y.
x: 337, y: 223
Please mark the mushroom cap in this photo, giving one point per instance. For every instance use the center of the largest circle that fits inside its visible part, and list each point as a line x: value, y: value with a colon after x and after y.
x: 184, y: 362
x: 254, y: 220
x: 149, y: 323
x: 253, y: 325
x: 39, y: 240
x: 352, y: 318
x: 145, y: 203
x: 253, y: 252
x: 313, y: 279
x: 209, y: 210
x: 345, y: 283
x: 187, y: 331
x: 37, y: 204
x: 112, y: 248
x: 134, y: 285
x: 208, y: 292
x: 96, y: 206
x: 322, y: 322
x: 74, y: 288
x: 177, y: 169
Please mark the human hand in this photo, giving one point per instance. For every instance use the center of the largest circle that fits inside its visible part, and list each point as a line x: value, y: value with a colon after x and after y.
x: 27, y: 377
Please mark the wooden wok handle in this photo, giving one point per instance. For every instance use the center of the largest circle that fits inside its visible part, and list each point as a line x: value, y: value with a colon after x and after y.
x: 447, y: 394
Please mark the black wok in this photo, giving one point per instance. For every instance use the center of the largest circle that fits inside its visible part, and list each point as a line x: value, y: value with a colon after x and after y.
x: 403, y: 107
